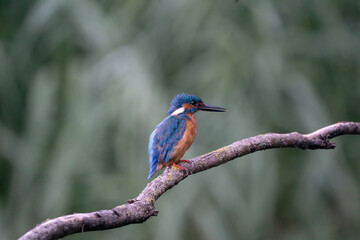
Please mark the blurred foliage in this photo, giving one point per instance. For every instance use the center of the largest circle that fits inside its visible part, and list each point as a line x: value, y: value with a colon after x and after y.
x: 83, y: 83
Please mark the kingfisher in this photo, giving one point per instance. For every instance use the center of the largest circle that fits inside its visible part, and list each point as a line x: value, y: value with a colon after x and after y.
x: 174, y: 135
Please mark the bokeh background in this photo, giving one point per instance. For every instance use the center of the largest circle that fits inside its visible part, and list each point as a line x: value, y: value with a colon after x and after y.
x: 83, y: 83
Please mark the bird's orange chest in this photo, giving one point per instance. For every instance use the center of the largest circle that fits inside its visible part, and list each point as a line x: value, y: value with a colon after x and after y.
x: 190, y: 131
x: 186, y: 140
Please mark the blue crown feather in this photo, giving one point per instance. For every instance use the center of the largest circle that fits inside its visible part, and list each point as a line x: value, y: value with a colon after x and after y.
x: 180, y: 99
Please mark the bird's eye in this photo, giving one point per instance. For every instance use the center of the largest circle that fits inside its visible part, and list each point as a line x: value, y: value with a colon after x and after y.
x: 192, y: 103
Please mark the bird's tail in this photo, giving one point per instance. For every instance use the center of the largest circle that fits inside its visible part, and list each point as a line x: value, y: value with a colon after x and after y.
x: 152, y: 170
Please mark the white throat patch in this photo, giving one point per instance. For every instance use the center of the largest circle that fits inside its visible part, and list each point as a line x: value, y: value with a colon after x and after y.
x: 178, y: 111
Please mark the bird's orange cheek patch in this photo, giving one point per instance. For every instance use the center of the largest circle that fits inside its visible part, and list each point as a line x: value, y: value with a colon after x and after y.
x: 187, y: 106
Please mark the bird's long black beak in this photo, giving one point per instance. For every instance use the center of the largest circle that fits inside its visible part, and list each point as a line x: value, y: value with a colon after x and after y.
x: 211, y: 108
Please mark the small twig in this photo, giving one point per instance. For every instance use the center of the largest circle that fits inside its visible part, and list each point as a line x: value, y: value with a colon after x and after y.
x: 142, y: 207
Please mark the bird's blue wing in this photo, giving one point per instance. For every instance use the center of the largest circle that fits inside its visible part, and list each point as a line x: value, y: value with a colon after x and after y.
x: 163, y: 140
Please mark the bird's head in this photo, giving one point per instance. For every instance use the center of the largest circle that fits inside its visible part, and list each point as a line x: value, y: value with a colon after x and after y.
x: 190, y: 103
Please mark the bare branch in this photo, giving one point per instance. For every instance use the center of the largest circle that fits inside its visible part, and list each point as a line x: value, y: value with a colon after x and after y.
x: 141, y: 208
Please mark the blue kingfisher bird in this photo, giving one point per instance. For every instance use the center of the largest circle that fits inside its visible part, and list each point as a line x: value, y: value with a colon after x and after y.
x: 175, y: 134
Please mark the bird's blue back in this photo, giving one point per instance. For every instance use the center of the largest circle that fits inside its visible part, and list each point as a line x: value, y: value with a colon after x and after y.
x: 164, y: 138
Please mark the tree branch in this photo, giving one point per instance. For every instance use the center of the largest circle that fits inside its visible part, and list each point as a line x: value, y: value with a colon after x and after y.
x: 142, y: 207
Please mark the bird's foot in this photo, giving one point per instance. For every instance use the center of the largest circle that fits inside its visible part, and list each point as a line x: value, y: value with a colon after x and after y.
x: 187, y: 161
x: 177, y: 166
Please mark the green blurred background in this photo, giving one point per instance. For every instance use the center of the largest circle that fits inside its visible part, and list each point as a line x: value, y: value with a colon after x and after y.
x: 83, y: 83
